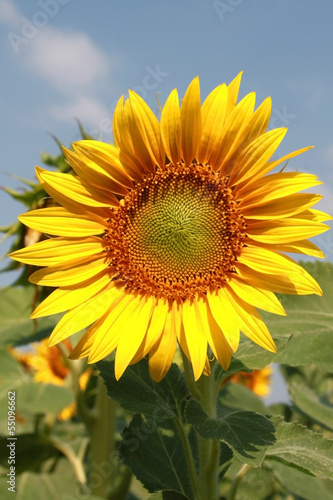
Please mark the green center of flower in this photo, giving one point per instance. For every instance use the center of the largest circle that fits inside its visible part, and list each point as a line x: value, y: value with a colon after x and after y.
x: 180, y: 231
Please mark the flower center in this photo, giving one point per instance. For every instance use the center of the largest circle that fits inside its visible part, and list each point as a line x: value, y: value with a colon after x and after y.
x: 177, y: 233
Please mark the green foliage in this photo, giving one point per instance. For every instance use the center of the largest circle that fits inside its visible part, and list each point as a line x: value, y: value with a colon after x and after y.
x: 303, y: 449
x: 248, y: 434
x: 149, y: 450
x: 16, y: 305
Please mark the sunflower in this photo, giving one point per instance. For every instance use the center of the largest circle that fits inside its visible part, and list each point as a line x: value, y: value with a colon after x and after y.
x: 259, y: 381
x: 48, y: 366
x: 175, y: 234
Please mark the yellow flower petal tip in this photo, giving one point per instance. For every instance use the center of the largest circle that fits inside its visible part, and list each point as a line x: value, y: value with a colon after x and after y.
x: 177, y: 234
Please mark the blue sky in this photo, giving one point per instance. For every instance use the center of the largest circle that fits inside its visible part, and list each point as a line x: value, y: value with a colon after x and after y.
x: 63, y: 59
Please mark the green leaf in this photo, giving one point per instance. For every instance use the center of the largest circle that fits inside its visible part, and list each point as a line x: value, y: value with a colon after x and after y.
x: 156, y: 456
x: 16, y: 305
x: 250, y: 356
x: 303, y: 449
x: 310, y: 320
x: 30, y: 452
x: 60, y: 485
x: 300, y: 484
x: 43, y: 398
x: 256, y: 484
x: 137, y: 392
x: 247, y: 433
x: 317, y: 408
x: 12, y: 374
x: 238, y: 397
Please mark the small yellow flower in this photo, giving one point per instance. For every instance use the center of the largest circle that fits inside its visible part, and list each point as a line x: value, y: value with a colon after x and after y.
x: 176, y: 234
x: 48, y: 366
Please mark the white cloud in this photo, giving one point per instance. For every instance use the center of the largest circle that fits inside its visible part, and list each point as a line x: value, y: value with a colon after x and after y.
x: 71, y: 62
x: 88, y: 110
x: 9, y: 14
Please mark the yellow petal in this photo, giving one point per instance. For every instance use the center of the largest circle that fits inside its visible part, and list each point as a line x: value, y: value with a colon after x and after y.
x: 213, y: 116
x: 148, y: 127
x: 156, y: 325
x: 275, y: 186
x: 234, y: 132
x: 132, y: 327
x: 105, y: 160
x: 255, y: 156
x: 225, y: 317
x: 62, y: 299
x: 69, y: 190
x: 141, y: 150
x: 57, y: 250
x: 269, y: 262
x: 258, y: 122
x: 303, y: 246
x: 251, y: 323
x: 315, y: 215
x: 103, y: 337
x: 59, y: 221
x: 283, y: 283
x: 216, y: 339
x: 171, y: 128
x: 256, y: 297
x: 233, y: 90
x: 123, y: 140
x: 271, y: 165
x: 190, y: 115
x: 291, y: 205
x: 70, y: 272
x: 163, y: 352
x: 196, y: 338
x: 83, y: 315
x: 285, y: 231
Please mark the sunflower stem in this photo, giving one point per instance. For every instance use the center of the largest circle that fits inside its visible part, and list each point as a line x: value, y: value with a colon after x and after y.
x: 102, y: 442
x: 189, y: 458
x: 234, y: 486
x: 205, y: 390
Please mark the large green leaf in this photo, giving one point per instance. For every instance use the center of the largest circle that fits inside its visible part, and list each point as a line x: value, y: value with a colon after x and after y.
x: 16, y: 305
x: 12, y: 374
x: 156, y: 456
x: 43, y: 398
x: 310, y: 321
x: 300, y: 484
x: 317, y: 408
x: 137, y: 392
x: 235, y: 397
x: 303, y: 449
x: 247, y: 433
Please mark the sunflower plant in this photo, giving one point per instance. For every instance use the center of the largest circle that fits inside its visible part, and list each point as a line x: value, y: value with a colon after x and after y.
x: 154, y: 255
